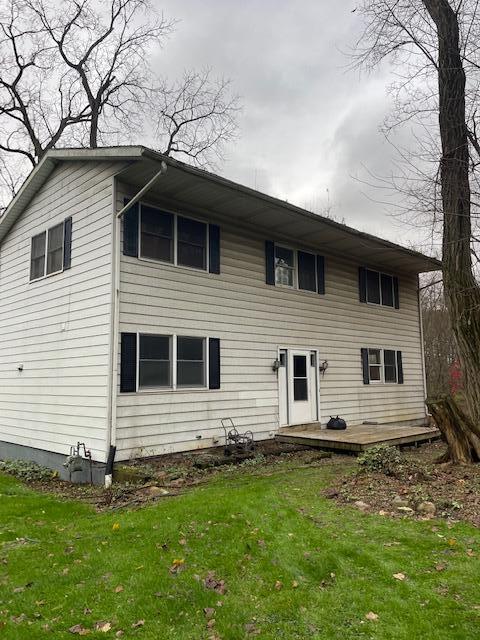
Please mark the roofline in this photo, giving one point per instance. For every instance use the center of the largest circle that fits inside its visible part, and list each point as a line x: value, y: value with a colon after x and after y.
x: 136, y: 152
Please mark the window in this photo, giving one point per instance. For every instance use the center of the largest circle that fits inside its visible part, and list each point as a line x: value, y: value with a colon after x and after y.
x: 284, y: 266
x: 167, y: 237
x: 37, y: 261
x: 157, y: 362
x: 293, y: 268
x: 55, y: 249
x: 375, y: 365
x: 380, y: 288
x: 382, y: 365
x: 157, y: 234
x: 307, y: 271
x: 47, y: 251
x: 190, y: 362
x: 390, y: 366
x: 192, y: 243
x: 300, y: 380
x: 154, y: 367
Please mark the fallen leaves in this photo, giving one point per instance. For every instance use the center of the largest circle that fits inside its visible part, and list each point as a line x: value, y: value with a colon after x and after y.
x: 79, y: 630
x: 371, y: 616
x: 115, y: 526
x: 399, y: 576
x: 278, y: 585
x: 138, y: 624
x: 118, y: 588
x: 178, y: 565
x: 103, y: 626
x: 212, y: 582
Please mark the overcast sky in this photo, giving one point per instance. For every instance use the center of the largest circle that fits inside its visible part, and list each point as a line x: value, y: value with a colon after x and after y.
x: 310, y: 128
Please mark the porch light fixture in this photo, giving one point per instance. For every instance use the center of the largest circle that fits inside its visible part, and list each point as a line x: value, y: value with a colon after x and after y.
x: 323, y: 367
x: 276, y: 365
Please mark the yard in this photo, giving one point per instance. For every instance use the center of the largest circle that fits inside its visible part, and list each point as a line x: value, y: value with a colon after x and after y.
x: 252, y: 552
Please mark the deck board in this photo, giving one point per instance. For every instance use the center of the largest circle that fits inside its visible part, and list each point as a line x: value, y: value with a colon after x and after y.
x: 358, y: 437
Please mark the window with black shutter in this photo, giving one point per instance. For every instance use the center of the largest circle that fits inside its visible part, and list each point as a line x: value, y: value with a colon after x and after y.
x: 378, y: 288
x: 381, y: 366
x: 307, y: 271
x: 51, y: 250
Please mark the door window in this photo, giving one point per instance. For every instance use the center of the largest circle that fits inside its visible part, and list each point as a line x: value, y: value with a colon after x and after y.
x: 300, y: 379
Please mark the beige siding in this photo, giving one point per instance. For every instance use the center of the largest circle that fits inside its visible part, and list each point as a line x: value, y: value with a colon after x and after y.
x: 59, y: 327
x: 253, y: 320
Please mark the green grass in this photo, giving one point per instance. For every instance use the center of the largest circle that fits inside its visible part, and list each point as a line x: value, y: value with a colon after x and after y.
x: 69, y: 559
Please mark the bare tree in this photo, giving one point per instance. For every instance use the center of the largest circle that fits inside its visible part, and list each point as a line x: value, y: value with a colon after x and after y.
x: 79, y: 74
x: 436, y: 41
x: 438, y: 338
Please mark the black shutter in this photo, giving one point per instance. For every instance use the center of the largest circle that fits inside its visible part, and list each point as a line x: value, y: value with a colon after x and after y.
x: 366, y: 375
x: 128, y: 363
x: 362, y: 284
x: 395, y: 293
x: 67, y: 243
x: 320, y: 275
x: 399, y: 367
x: 130, y: 231
x: 214, y: 363
x: 269, y: 262
x: 214, y: 248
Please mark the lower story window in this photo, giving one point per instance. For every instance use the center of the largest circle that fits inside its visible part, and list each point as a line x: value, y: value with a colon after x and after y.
x: 155, y: 362
x: 171, y: 362
x: 375, y: 364
x: 190, y: 362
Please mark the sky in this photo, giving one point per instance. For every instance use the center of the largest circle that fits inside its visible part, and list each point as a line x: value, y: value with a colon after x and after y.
x: 310, y: 127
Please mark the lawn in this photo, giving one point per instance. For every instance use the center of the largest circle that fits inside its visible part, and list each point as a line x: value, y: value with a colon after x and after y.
x: 287, y: 563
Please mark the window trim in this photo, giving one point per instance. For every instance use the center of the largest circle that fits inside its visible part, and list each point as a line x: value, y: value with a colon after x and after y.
x: 45, y: 261
x: 173, y: 352
x: 174, y: 262
x: 382, y: 365
x: 295, y: 286
x: 379, y: 274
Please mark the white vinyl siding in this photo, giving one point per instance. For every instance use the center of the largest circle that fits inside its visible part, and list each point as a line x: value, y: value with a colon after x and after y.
x: 253, y: 320
x: 58, y: 328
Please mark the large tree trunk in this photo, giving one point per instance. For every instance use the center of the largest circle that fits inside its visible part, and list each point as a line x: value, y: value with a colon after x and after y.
x: 460, y: 433
x: 462, y: 292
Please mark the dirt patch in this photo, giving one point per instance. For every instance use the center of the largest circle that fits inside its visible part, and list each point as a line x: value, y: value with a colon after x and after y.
x: 143, y: 481
x: 453, y: 490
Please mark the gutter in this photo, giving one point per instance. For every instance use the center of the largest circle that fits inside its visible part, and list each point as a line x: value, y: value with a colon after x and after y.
x: 115, y: 314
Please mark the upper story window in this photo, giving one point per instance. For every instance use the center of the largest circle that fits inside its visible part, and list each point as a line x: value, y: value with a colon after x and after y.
x: 293, y: 268
x: 284, y: 266
x: 378, y: 288
x: 150, y: 232
x: 51, y: 250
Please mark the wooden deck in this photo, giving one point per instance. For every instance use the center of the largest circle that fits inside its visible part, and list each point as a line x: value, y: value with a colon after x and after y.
x: 358, y: 437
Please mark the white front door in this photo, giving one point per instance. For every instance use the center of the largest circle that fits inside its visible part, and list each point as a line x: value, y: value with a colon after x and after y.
x: 302, y: 389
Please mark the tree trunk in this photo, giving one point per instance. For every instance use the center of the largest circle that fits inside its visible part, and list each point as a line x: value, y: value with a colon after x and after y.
x: 462, y: 292
x: 460, y: 433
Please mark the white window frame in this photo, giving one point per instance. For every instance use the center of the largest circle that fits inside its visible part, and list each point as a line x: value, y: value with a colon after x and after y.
x: 47, y: 234
x: 382, y: 365
x: 175, y: 215
x: 295, y: 285
x: 173, y: 363
x: 379, y: 274
x: 379, y: 365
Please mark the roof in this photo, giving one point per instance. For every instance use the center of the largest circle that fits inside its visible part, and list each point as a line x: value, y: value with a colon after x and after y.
x: 201, y: 190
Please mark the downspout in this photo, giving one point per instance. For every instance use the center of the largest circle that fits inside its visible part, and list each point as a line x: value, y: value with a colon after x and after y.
x: 115, y: 329
x: 422, y: 346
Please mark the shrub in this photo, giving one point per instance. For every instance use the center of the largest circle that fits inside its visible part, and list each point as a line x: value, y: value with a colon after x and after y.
x: 382, y: 459
x: 26, y: 470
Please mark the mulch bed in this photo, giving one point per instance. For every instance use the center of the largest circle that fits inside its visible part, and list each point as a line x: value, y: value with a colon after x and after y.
x: 454, y: 490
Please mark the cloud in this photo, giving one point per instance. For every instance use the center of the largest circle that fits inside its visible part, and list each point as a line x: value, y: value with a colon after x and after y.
x: 310, y: 128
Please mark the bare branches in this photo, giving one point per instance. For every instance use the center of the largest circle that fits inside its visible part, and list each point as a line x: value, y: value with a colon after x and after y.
x: 81, y: 76
x: 197, y: 117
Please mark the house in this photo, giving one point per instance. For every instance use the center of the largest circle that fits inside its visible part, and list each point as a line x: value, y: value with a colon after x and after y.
x: 142, y: 300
